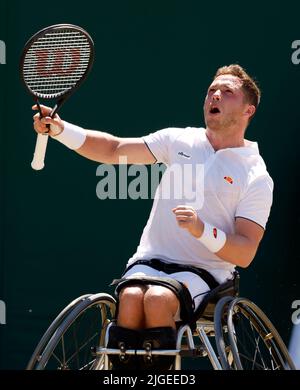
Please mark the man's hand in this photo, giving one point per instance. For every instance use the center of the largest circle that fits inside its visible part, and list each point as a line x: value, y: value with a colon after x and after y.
x: 188, y: 219
x: 40, y: 125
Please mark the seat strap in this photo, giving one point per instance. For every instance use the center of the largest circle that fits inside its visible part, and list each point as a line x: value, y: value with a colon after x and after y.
x: 170, y: 268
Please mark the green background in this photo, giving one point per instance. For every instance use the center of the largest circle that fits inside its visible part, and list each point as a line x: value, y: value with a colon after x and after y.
x: 154, y: 62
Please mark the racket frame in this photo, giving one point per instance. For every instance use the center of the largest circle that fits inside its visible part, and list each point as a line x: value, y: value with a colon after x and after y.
x: 61, y: 97
x: 28, y: 44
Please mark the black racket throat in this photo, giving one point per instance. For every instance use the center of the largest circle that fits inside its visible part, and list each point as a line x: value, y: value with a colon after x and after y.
x: 56, y: 107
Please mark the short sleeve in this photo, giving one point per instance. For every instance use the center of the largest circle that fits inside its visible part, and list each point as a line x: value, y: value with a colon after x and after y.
x: 256, y: 203
x: 160, y: 143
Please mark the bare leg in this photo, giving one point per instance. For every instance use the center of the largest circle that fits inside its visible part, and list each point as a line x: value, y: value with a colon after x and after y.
x: 160, y: 307
x: 131, y: 307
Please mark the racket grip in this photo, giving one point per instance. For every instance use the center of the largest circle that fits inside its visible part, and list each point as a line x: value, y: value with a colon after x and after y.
x: 39, y: 152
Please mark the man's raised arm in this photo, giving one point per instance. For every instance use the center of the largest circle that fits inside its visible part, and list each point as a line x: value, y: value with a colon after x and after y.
x: 94, y: 145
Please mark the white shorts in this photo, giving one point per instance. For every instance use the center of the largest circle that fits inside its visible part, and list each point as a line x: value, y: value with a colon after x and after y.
x: 196, y: 286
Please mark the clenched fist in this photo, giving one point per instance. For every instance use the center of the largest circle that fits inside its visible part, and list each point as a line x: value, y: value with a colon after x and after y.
x: 187, y: 218
x: 40, y: 124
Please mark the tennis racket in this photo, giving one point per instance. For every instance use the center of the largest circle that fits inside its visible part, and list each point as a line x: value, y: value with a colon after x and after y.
x: 54, y: 62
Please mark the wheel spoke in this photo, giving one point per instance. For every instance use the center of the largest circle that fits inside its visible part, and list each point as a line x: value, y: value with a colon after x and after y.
x: 253, y: 340
x: 58, y: 359
x: 79, y: 329
x: 63, y: 349
x: 82, y: 346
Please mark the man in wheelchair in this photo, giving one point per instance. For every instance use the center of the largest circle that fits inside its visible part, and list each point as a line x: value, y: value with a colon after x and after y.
x: 185, y: 250
x: 157, y: 329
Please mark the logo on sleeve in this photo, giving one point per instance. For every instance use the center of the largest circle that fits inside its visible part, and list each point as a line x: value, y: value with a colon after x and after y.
x: 215, y: 232
x: 229, y: 179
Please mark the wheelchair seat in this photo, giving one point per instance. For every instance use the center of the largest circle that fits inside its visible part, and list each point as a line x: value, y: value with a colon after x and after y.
x: 206, y: 309
x: 229, y: 288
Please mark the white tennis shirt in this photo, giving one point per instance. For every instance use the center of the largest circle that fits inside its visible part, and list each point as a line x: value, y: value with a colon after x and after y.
x: 235, y: 183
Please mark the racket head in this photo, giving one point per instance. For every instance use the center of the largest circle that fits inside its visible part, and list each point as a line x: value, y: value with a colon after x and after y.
x: 56, y: 60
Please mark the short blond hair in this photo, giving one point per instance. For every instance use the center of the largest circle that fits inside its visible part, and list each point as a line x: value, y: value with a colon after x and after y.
x: 250, y: 88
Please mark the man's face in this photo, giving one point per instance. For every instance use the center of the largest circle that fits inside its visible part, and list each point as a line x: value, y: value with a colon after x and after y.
x: 225, y: 105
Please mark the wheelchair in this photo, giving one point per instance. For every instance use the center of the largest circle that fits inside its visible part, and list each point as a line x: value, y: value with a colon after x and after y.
x: 230, y: 331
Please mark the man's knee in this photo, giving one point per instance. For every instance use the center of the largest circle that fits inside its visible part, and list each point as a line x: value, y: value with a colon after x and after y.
x: 159, y: 297
x: 132, y: 294
x: 130, y: 311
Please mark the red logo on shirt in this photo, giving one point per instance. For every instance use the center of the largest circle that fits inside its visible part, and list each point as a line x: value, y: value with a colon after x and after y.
x: 229, y: 179
x: 215, y: 232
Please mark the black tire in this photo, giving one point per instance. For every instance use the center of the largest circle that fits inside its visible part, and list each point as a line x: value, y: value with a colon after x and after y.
x: 83, y: 328
x: 254, y: 342
x: 49, y: 332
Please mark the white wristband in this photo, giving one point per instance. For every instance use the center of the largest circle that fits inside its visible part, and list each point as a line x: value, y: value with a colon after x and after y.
x: 214, y: 239
x: 72, y: 136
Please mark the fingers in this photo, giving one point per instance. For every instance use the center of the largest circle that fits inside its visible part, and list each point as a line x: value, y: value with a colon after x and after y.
x: 184, y: 223
x: 183, y: 220
x: 188, y: 219
x: 182, y: 207
x: 45, y: 110
x: 42, y: 125
x: 39, y: 126
x: 184, y: 211
x: 185, y: 216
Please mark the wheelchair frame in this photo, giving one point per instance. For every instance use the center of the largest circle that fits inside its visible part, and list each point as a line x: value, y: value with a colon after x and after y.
x: 219, y: 320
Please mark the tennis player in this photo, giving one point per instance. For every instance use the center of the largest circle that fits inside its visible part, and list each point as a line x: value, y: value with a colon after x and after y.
x: 184, y: 249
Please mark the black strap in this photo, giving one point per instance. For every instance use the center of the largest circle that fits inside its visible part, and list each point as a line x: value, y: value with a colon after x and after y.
x: 228, y: 288
x: 170, y: 268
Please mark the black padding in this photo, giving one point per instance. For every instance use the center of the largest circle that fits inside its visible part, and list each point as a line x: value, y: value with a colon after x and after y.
x: 157, y: 338
x: 131, y: 339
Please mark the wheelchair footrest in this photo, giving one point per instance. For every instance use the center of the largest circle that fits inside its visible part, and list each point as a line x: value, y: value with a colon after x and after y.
x: 115, y: 351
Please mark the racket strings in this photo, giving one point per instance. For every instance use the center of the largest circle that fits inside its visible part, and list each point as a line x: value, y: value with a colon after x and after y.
x: 56, y: 62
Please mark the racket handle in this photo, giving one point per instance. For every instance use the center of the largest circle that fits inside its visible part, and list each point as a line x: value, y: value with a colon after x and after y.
x: 39, y: 152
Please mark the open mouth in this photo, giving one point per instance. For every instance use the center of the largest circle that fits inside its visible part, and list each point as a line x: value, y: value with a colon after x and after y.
x: 214, y: 110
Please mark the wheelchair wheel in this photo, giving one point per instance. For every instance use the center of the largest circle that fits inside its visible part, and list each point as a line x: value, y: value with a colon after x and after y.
x: 80, y: 331
x: 250, y: 340
x: 49, y: 332
x: 221, y: 333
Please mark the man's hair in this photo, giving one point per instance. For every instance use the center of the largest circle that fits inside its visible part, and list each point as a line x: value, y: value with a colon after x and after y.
x: 250, y: 88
